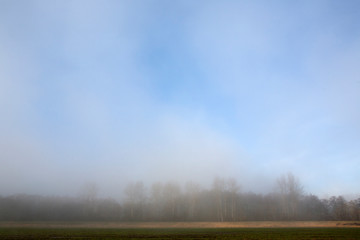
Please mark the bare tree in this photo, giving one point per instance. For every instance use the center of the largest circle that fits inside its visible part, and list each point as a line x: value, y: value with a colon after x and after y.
x: 233, y: 189
x: 88, y: 194
x: 290, y: 191
x: 89, y: 191
x: 354, y: 209
x: 172, y: 194
x: 338, y: 207
x: 192, y: 196
x: 219, y: 189
x: 157, y: 201
x: 136, y: 196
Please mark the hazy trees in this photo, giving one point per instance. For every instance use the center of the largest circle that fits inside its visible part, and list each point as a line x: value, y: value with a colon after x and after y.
x: 192, y: 197
x: 88, y: 194
x: 39, y: 208
x: 156, y: 201
x: 89, y: 191
x: 219, y: 190
x: 312, y: 208
x: 226, y: 194
x: 290, y: 191
x: 338, y: 208
x: 172, y: 196
x: 170, y: 201
x: 135, y: 200
x: 233, y: 191
x: 354, y: 209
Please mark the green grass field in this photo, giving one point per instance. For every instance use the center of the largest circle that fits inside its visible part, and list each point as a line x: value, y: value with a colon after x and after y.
x: 176, y: 233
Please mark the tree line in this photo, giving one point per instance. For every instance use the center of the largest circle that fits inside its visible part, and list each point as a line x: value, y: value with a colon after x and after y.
x: 223, y: 201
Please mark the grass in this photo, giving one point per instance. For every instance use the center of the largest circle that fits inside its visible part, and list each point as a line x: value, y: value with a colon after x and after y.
x: 180, y: 233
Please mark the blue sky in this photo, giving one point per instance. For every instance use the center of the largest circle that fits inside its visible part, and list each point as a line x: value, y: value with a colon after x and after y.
x: 115, y: 91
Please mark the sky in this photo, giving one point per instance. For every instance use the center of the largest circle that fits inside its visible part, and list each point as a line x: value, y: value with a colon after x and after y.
x: 109, y: 92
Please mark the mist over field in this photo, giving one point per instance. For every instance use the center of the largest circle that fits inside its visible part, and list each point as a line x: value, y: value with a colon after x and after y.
x: 109, y: 93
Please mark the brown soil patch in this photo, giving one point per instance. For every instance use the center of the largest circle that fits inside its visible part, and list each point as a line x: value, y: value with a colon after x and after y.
x: 259, y: 224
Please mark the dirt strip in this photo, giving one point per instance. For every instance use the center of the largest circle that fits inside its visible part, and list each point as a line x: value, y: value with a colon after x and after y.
x: 259, y: 224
